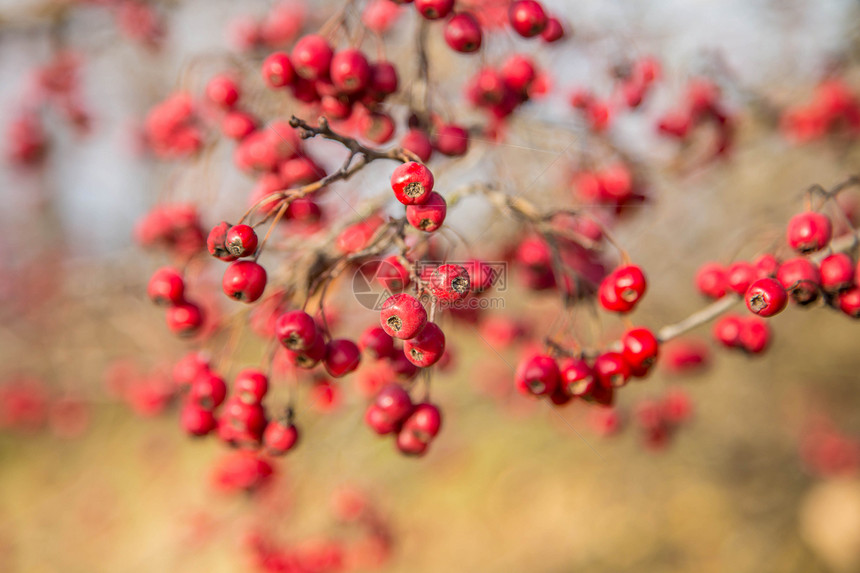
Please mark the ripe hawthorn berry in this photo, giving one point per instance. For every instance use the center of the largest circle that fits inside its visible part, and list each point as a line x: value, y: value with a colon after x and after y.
x: 379, y: 421
x: 537, y: 375
x: 424, y: 422
x: 766, y: 297
x: 393, y: 403
x: 401, y: 366
x: 311, y: 57
x: 412, y: 183
x: 208, y: 390
x: 527, y: 18
x: 640, y: 349
x: 518, y: 73
x: 375, y: 126
x: 767, y: 265
x: 451, y: 140
x: 223, y: 91
x: 740, y: 275
x: 418, y: 142
x: 215, y: 242
x: 434, y: 9
x: 801, y: 278
x: 251, y: 385
x: 849, y: 302
x: 238, y: 125
x: 450, y: 283
x: 296, y: 330
x: 248, y: 420
x: 463, y: 33
x: 342, y: 356
x: 241, y: 241
x: 429, y: 216
x: 383, y: 80
x: 426, y: 347
x: 277, y: 70
x: 402, y: 316
x: 554, y: 30
x: 837, y: 272
x: 409, y: 444
x: 244, y: 281
x: 391, y: 274
x: 809, y: 232
x: 166, y: 287
x: 350, y: 71
x: 197, y: 421
x: 611, y: 370
x: 279, y: 437
x: 622, y: 289
x: 184, y: 319
x: 727, y: 330
x: 310, y: 356
x: 755, y: 335
x: 376, y: 342
x: 577, y: 377
x: 188, y: 368
x: 711, y: 280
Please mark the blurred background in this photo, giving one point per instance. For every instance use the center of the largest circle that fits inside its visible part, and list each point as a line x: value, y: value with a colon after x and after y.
x: 760, y: 474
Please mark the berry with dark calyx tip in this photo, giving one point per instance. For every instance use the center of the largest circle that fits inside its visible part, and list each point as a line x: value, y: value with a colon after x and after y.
x: 463, y: 33
x: 640, y: 349
x: 408, y: 444
x: 311, y: 57
x: 244, y: 281
x: 376, y: 342
x: 310, y: 356
x: 208, y: 390
x: 392, y: 275
x: 280, y: 437
x: 335, y: 107
x: 537, y: 375
x: 401, y: 366
x: 837, y: 272
x: 740, y: 275
x: 247, y: 418
x: 188, y: 368
x: 727, y: 330
x: 197, y: 421
x: 767, y: 266
x: 296, y: 330
x: 251, y: 385
x: 766, y: 297
x: 711, y: 280
x: 622, y: 289
x: 849, y: 302
x: 424, y: 422
x: 577, y: 377
x: 451, y: 140
x: 429, y: 216
x: 611, y: 370
x: 342, y: 356
x: 801, y: 278
x: 554, y: 30
x: 412, y: 183
x: 527, y: 18
x: 418, y: 142
x: 278, y: 71
x: 166, y: 286
x: 184, y: 319
x: 402, y: 316
x: 378, y: 421
x: 241, y: 241
x: 394, y: 403
x: 449, y: 283
x: 350, y: 71
x: 215, y: 242
x: 426, y: 347
x: 809, y: 232
x: 434, y: 9
x: 754, y: 335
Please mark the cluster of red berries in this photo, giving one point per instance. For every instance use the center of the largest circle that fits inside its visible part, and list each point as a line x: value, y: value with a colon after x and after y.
x: 27, y: 406
x: 834, y: 108
x: 612, y: 186
x: 701, y: 105
x: 275, y: 29
x: 750, y: 334
x: 174, y: 227
x: 501, y: 91
x: 167, y: 288
x: 172, y: 128
x: 412, y: 184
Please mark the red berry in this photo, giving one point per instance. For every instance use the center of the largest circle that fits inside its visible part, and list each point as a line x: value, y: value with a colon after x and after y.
x: 426, y: 347
x: 188, y: 368
x: 402, y: 316
x: 537, y: 376
x: 296, y: 330
x: 241, y: 241
x: 310, y: 356
x: 379, y: 421
x: 767, y: 265
x: 238, y: 125
x: 800, y: 277
x: 429, y: 216
x: 222, y: 91
x: 418, y: 142
x: 640, y: 349
x: 809, y: 232
x: 424, y: 422
x: 740, y: 275
x: 251, y: 386
x: 409, y: 444
x: 766, y: 297
x: 248, y: 420
x: 611, y: 370
x: 184, y: 319
x: 463, y: 33
x: 311, y: 57
x: 518, y: 72
x: 342, y: 356
x: 167, y: 287
x: 244, y: 281
x: 376, y: 126
x: 450, y: 283
x: 208, y: 390
x: 278, y: 71
x: 622, y: 289
x: 401, y: 366
x: 711, y: 280
x: 727, y: 330
x: 754, y: 335
x: 527, y: 18
x: 451, y: 140
x: 837, y: 272
x: 197, y: 421
x: 215, y: 242
x: 554, y: 30
x: 376, y: 342
x: 383, y: 80
x: 350, y: 71
x: 394, y: 403
x: 849, y: 302
x: 412, y: 183
x: 280, y: 437
x: 577, y: 378
x: 434, y: 9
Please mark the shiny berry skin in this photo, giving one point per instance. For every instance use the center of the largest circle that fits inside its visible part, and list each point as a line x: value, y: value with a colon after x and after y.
x: 740, y: 275
x: 424, y: 422
x: 767, y: 265
x: 208, y: 390
x: 400, y: 365
x: 197, y: 421
x: 622, y: 289
x: 837, y: 272
x: 766, y: 297
x: 554, y: 30
x: 527, y: 18
x: 463, y: 33
x: 849, y: 302
x: 166, y: 286
x: 518, y: 73
x: 311, y: 57
x: 342, y: 356
x: 412, y: 183
x: 280, y: 437
x: 434, y: 9
x: 222, y: 91
x: 402, y: 316
x: 244, y: 281
x: 378, y: 421
x: 309, y: 357
x: 247, y: 418
x: 577, y: 378
x: 754, y: 335
x: 277, y: 70
x: 640, y: 349
x: 711, y: 280
x: 296, y: 330
x: 429, y: 216
x: 215, y: 242
x: 611, y: 370
x: 537, y: 376
x: 801, y: 279
x: 376, y: 342
x: 451, y: 140
x: 383, y: 80
x: 450, y: 283
x: 392, y: 274
x: 350, y: 71
x: 409, y: 444
x: 418, y: 142
x: 809, y: 232
x: 426, y: 347
x: 394, y: 403
x: 241, y: 241
x: 184, y: 319
x: 727, y: 330
x: 251, y: 385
